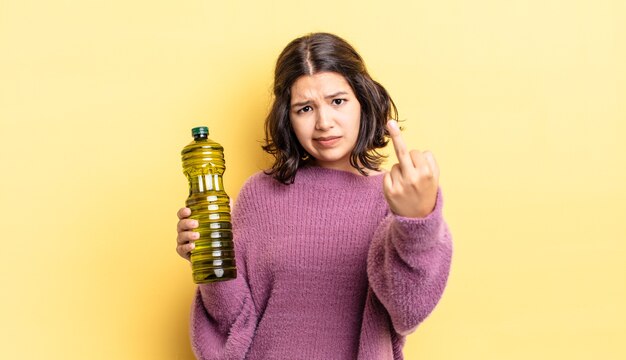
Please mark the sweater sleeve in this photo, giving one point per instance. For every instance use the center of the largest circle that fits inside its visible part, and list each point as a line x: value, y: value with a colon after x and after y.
x: 408, y: 266
x: 223, y: 315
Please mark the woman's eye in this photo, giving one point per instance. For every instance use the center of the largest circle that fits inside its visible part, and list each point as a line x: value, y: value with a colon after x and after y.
x: 305, y: 109
x: 338, y: 101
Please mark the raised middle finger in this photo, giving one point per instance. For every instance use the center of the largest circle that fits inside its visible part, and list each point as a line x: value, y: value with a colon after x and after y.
x: 404, y: 158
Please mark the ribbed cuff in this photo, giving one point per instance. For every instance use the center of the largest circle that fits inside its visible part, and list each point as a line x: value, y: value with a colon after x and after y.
x: 417, y: 234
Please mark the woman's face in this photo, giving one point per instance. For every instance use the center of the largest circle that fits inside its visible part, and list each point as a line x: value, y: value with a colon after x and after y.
x: 325, y: 115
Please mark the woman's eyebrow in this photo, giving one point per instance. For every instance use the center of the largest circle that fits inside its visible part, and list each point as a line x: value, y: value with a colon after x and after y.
x: 307, y: 102
x: 336, y: 94
x: 302, y: 103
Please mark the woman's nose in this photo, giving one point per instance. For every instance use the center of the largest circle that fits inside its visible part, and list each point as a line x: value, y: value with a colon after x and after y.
x: 323, y: 121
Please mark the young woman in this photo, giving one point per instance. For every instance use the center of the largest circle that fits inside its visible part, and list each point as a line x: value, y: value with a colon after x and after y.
x: 336, y: 259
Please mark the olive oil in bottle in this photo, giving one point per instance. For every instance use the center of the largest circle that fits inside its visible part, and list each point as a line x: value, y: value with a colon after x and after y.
x: 213, y: 258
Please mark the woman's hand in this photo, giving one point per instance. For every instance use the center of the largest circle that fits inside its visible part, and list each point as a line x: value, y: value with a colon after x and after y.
x: 411, y: 186
x: 186, y: 237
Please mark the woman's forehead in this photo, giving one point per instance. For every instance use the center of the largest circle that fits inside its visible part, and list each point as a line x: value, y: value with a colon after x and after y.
x: 322, y: 84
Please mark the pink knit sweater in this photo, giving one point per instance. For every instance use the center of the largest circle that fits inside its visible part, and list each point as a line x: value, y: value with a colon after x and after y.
x: 325, y: 271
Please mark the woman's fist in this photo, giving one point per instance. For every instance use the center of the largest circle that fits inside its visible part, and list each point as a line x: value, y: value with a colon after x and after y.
x: 411, y: 186
x: 186, y: 237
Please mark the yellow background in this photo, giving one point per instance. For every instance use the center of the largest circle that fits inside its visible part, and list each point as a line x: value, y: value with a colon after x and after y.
x: 522, y: 103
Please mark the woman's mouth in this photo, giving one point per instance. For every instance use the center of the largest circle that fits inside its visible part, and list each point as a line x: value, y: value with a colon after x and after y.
x: 328, y: 141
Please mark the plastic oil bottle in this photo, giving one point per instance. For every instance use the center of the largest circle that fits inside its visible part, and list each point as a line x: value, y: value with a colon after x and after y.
x: 213, y: 258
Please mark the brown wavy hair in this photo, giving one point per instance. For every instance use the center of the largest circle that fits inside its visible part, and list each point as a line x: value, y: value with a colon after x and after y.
x: 308, y: 55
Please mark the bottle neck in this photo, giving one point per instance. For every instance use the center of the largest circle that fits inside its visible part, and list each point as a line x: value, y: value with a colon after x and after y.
x: 200, y: 137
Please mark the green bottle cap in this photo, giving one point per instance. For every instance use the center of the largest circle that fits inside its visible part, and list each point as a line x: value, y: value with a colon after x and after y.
x: 199, y: 131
